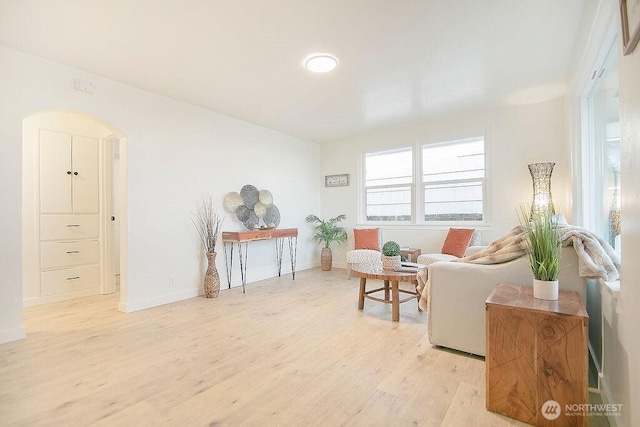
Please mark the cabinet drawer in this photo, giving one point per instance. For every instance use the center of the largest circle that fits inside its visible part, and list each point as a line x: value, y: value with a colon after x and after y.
x: 69, y: 253
x: 69, y: 279
x: 68, y: 227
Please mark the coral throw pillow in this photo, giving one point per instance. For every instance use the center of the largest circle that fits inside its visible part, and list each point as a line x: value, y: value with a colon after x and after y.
x: 367, y: 238
x: 457, y: 241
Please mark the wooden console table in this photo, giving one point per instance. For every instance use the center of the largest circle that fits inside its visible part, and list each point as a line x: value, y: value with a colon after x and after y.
x: 537, y: 357
x: 242, y: 239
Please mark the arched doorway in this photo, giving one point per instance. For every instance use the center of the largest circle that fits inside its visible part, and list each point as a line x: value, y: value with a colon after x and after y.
x: 73, y: 207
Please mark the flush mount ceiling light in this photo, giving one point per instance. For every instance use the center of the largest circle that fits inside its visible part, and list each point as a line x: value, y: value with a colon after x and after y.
x: 321, y: 63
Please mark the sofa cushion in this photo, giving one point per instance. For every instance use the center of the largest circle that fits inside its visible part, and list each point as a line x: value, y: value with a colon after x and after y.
x: 457, y: 241
x: 428, y: 259
x: 367, y: 238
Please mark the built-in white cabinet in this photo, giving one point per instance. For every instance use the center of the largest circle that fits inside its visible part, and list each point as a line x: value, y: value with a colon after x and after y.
x: 68, y: 173
x: 69, y: 208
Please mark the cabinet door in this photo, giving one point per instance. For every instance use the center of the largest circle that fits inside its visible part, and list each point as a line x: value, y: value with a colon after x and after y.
x: 55, y: 169
x: 84, y: 157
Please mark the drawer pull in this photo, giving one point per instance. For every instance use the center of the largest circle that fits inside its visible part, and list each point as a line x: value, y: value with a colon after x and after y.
x: 73, y: 252
x: 73, y: 225
x: 73, y: 278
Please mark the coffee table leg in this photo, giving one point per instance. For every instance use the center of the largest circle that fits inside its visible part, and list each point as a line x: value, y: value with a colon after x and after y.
x: 363, y: 283
x: 395, y: 301
x: 386, y: 290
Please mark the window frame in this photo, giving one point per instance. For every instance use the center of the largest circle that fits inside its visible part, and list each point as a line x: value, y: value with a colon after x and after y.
x: 418, y: 187
x: 411, y: 185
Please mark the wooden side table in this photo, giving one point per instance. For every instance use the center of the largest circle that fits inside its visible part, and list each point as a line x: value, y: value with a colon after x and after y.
x: 411, y: 253
x: 536, y: 353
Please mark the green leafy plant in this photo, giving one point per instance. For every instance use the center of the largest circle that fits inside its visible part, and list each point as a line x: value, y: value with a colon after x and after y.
x: 328, y: 231
x: 543, y: 244
x: 391, y: 248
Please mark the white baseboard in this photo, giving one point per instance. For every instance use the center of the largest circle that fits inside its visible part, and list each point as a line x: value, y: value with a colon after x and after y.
x: 129, y: 307
x: 605, y: 394
x: 254, y: 276
x: 14, y: 334
x: 30, y: 302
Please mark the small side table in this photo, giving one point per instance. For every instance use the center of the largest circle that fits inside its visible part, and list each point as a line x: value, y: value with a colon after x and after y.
x: 412, y: 253
x: 537, y: 356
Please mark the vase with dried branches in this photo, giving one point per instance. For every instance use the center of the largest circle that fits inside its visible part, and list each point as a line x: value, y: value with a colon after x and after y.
x: 207, y: 224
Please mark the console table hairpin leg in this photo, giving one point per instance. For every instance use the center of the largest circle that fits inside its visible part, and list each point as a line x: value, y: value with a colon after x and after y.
x: 242, y: 258
x: 228, y: 261
x: 293, y: 253
x: 293, y: 249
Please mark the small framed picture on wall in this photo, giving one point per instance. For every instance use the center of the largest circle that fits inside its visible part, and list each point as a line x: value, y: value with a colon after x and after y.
x: 341, y: 180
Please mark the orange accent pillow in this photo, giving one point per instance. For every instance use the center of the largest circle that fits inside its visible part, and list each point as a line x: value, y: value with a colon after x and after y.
x: 367, y: 238
x: 457, y: 241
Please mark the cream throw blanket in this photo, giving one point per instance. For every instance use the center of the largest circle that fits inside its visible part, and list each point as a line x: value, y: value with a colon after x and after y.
x: 596, y: 258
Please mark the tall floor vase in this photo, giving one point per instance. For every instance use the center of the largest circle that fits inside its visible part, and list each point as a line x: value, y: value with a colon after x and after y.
x: 326, y: 259
x: 211, y: 277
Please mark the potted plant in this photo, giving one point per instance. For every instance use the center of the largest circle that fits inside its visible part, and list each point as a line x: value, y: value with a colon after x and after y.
x: 327, y: 232
x: 543, y: 249
x: 391, y: 255
x: 207, y: 223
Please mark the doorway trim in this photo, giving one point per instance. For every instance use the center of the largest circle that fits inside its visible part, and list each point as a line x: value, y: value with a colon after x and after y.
x: 30, y: 202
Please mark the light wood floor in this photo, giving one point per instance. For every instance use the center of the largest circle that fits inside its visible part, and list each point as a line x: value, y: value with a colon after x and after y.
x: 286, y: 353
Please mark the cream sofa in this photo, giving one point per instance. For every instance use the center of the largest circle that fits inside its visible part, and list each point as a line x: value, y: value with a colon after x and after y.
x: 458, y: 292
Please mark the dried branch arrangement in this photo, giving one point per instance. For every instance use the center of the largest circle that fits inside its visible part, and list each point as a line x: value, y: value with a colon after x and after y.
x: 207, y: 223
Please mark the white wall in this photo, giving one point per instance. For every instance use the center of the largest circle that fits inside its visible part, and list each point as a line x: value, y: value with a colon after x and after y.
x: 621, y: 364
x: 514, y: 137
x: 622, y: 373
x: 175, y: 154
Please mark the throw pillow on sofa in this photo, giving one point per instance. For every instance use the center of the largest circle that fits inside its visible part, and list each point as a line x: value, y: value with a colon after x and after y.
x: 457, y: 241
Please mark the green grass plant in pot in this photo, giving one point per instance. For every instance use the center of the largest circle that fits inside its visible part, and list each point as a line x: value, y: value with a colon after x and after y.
x: 327, y: 232
x: 391, y: 255
x: 543, y: 249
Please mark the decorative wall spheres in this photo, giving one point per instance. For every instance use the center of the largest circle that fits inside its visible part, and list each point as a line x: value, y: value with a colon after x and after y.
x: 252, y: 207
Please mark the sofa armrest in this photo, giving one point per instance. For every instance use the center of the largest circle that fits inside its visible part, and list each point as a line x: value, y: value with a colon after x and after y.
x: 457, y: 296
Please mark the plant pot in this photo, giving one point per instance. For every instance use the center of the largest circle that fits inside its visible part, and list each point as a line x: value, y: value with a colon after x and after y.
x: 211, y: 277
x: 326, y: 259
x: 391, y: 262
x: 544, y: 289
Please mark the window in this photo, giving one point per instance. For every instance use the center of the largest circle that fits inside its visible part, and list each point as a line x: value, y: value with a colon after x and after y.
x: 601, y: 153
x: 453, y: 179
x: 389, y: 185
x: 451, y: 183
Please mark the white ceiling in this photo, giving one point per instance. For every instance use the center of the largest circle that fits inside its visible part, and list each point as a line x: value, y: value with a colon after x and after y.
x: 400, y: 61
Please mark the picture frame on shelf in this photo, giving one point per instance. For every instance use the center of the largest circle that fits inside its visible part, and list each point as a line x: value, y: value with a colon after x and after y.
x: 340, y: 180
x: 630, y: 24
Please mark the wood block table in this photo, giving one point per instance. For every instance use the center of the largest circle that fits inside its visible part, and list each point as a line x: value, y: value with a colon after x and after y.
x: 366, y: 271
x: 411, y: 253
x: 536, y: 353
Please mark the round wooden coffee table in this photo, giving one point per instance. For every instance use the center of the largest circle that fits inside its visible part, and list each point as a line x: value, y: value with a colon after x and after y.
x: 365, y: 271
